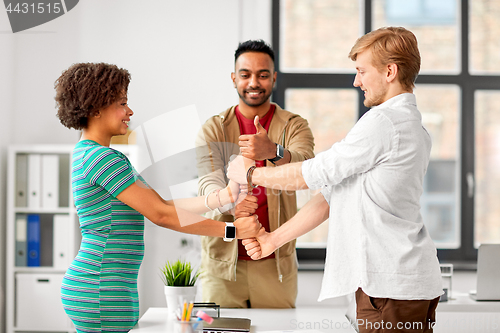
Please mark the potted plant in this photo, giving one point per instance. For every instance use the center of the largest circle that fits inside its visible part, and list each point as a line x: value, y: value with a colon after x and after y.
x: 179, y: 279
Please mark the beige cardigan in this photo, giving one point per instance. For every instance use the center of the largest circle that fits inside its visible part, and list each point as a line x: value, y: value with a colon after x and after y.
x: 216, y: 142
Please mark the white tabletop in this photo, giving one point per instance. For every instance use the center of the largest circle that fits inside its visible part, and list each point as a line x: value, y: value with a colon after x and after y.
x: 460, y: 314
x: 310, y: 319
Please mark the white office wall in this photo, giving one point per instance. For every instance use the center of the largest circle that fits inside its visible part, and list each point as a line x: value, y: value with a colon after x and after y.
x: 179, y: 53
x: 6, y: 91
x: 213, y: 91
x: 255, y: 19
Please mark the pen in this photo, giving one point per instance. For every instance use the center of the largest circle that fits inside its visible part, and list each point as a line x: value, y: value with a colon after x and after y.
x: 184, y: 308
x: 189, y: 310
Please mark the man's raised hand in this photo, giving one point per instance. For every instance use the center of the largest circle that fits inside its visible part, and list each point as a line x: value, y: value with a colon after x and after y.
x: 257, y: 147
x: 261, y: 246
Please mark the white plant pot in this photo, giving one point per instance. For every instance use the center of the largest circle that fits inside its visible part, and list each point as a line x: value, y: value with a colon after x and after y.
x: 176, y: 295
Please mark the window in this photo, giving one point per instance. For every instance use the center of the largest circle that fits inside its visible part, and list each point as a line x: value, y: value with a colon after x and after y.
x: 308, y: 42
x: 420, y: 12
x: 440, y: 200
x: 483, y: 37
x: 435, y: 25
x: 456, y: 92
x: 331, y: 113
x: 487, y: 175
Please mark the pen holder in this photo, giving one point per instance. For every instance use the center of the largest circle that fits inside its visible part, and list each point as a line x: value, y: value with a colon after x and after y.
x: 192, y: 326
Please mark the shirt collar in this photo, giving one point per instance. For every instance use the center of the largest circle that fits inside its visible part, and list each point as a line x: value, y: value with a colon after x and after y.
x: 399, y: 100
x: 406, y: 101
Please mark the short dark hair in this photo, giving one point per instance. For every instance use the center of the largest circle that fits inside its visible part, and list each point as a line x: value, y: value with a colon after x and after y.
x: 253, y: 46
x: 85, y: 88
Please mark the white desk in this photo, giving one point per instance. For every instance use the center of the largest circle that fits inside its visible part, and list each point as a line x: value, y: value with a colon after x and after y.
x: 459, y: 315
x: 464, y: 315
x: 323, y: 319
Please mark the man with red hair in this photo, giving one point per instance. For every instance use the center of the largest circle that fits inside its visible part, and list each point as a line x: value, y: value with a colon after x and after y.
x: 371, y: 182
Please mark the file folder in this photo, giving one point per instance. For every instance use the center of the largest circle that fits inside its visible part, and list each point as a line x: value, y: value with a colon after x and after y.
x: 21, y: 244
x: 33, y: 240
x: 50, y: 181
x: 46, y: 240
x: 34, y: 183
x: 21, y: 180
x: 62, y: 254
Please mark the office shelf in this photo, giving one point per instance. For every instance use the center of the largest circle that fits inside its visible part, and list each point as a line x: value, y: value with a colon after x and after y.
x: 33, y: 292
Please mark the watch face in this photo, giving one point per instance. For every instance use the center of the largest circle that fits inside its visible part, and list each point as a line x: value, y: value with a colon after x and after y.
x: 230, y: 232
x: 280, y: 153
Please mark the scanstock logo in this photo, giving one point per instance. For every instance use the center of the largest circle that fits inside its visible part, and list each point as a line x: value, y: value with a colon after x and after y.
x: 26, y: 14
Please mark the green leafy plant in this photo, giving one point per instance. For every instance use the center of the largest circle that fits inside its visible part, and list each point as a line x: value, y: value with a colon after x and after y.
x: 179, y: 274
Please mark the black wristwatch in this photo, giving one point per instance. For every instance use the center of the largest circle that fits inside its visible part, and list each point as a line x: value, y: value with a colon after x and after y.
x: 230, y: 232
x: 280, y: 153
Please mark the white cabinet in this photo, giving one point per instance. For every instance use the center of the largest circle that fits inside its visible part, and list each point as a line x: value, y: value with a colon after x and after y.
x: 38, y: 302
x: 43, y: 235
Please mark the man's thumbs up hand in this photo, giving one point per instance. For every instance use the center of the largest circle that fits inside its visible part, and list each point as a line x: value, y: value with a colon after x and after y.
x: 258, y: 126
x: 257, y: 146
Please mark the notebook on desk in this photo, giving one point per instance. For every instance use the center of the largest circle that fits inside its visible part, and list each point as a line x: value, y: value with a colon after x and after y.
x: 488, y: 271
x: 231, y: 325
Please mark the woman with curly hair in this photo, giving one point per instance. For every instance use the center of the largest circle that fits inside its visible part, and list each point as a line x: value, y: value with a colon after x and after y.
x: 99, y: 290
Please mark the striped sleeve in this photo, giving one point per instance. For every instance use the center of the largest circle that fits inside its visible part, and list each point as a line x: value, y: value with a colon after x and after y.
x: 106, y: 168
x: 138, y: 177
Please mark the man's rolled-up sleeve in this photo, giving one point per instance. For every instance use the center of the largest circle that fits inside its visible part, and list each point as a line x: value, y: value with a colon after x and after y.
x: 210, y: 161
x: 370, y: 142
x: 300, y: 142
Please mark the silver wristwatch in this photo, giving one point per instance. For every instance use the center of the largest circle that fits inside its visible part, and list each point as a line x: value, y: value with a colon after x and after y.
x: 280, y: 153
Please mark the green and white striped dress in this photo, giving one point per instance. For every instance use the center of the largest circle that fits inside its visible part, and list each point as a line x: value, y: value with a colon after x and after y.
x: 99, y: 290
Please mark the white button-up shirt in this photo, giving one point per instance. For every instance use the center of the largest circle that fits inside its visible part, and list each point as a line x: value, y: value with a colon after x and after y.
x: 372, y: 180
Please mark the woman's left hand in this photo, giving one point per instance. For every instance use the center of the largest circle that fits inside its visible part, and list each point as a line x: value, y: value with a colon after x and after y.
x: 233, y: 190
x: 238, y: 167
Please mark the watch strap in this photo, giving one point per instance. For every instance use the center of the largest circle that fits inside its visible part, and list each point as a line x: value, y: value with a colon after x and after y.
x: 280, y: 153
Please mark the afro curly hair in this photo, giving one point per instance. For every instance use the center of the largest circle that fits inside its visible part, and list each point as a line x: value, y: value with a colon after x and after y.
x: 85, y: 88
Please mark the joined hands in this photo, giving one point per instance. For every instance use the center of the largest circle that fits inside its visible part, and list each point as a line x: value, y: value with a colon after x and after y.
x: 247, y: 224
x: 252, y: 147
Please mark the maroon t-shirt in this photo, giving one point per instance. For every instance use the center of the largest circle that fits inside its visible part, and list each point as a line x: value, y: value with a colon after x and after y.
x: 247, y: 127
